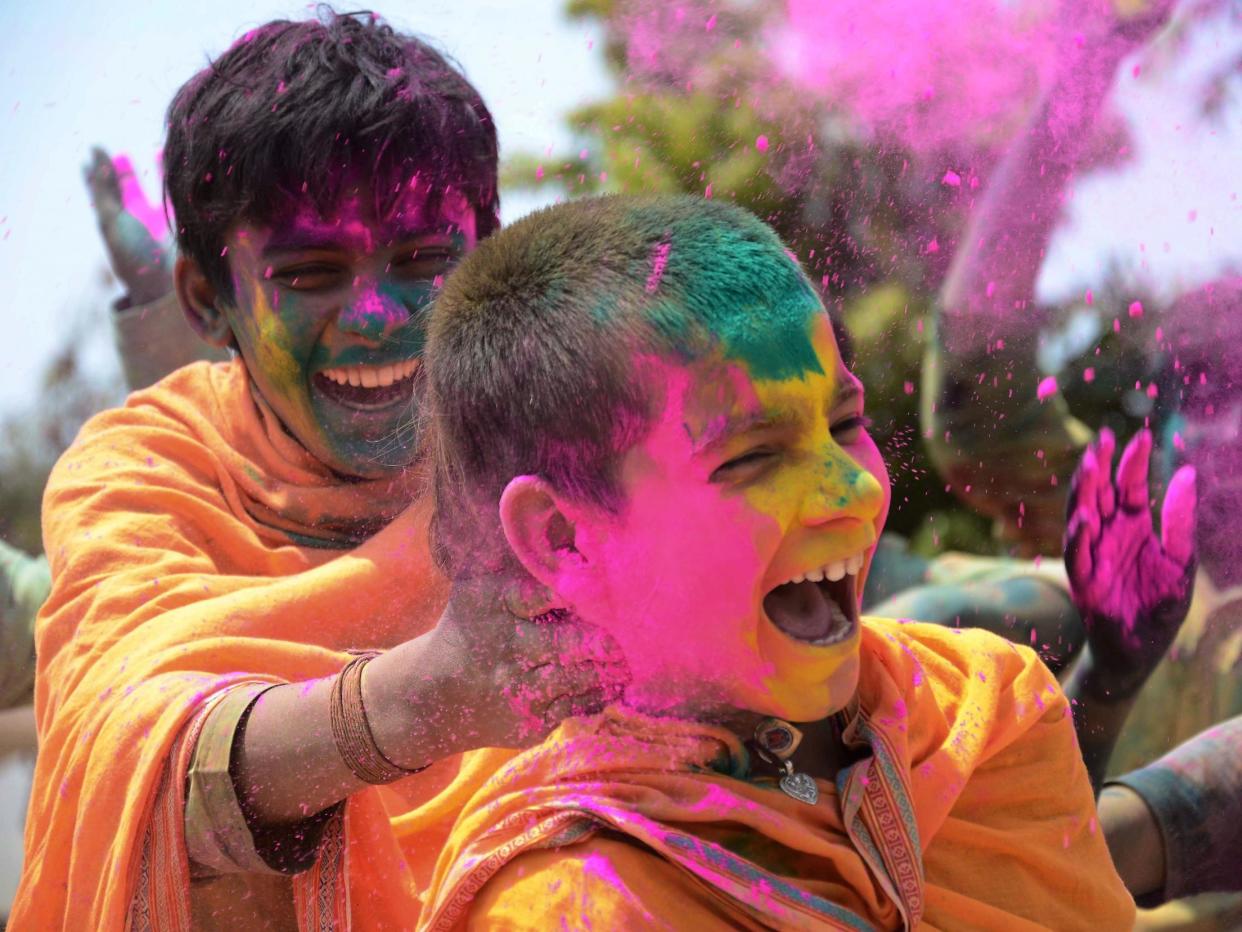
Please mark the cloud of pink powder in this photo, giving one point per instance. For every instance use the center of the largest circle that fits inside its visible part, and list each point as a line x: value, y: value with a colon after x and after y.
x: 928, y: 73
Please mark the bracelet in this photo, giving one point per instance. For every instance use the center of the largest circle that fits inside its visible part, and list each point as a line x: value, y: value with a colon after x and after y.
x: 352, y: 733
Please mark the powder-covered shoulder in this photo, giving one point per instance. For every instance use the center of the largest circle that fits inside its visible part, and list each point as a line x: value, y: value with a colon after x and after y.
x: 957, y: 681
x: 180, y: 401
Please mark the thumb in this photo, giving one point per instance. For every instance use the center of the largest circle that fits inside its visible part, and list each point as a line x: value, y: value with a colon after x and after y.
x: 1178, y: 516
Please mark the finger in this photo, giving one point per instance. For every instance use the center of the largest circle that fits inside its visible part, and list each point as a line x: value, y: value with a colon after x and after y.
x: 567, y: 706
x: 1132, y: 472
x: 1178, y: 516
x: 564, y: 642
x: 1083, y: 494
x: 552, y: 680
x: 1106, y: 500
x: 1079, y: 542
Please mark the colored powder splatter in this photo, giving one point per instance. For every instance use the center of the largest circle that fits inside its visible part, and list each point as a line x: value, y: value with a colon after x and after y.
x: 135, y: 201
x: 1136, y: 309
x: 927, y: 73
x: 1047, y: 388
x: 761, y: 143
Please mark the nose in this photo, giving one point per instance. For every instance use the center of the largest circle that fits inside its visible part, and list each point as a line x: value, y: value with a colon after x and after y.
x: 373, y: 312
x: 841, y: 488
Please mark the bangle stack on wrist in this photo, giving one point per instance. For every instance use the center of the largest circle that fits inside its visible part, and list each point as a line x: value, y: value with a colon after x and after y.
x: 352, y: 733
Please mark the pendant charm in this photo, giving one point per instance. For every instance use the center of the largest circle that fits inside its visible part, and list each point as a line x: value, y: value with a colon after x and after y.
x: 799, y: 786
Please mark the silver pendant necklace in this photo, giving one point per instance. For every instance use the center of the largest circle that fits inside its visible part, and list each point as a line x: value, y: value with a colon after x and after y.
x: 775, y: 741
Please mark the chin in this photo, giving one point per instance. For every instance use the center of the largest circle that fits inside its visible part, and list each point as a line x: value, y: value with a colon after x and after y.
x: 807, y: 700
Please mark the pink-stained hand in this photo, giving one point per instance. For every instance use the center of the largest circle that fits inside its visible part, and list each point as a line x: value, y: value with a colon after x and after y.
x: 133, y: 229
x: 1131, y: 587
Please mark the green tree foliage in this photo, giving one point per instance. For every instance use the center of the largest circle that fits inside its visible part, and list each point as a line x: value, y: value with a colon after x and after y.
x: 31, y: 440
x: 699, y: 109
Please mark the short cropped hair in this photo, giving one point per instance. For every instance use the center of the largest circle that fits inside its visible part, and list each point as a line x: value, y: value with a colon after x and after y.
x: 532, y: 342
x: 292, y: 107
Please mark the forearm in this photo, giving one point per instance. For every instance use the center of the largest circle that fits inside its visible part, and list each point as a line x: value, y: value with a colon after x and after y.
x: 989, y: 291
x: 1193, y: 796
x: 1133, y: 839
x: 1101, y: 706
x: 288, y: 766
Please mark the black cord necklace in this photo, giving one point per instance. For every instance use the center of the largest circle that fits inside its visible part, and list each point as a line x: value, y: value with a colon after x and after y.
x: 775, y: 742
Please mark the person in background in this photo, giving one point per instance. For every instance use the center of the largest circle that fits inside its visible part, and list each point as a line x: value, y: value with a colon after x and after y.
x: 238, y: 544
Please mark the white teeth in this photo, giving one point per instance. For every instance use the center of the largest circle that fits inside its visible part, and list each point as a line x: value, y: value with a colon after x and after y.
x: 372, y: 376
x: 833, y: 572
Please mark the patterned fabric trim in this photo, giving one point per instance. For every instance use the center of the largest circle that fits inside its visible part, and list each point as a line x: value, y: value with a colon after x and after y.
x: 875, y: 802
x: 767, y: 897
x: 161, y: 899
x: 321, y: 894
x: 570, y: 824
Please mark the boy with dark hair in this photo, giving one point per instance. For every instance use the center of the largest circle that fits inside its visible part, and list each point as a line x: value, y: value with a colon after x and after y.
x: 638, y: 403
x: 232, y: 548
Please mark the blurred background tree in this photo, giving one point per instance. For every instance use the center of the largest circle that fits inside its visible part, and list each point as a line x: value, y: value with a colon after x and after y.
x: 33, y: 438
x: 701, y: 108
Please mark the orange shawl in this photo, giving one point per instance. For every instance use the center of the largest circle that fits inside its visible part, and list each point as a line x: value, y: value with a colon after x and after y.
x: 194, y: 545
x: 970, y: 809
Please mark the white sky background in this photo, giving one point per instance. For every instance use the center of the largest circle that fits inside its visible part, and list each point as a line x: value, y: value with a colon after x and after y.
x: 75, y: 73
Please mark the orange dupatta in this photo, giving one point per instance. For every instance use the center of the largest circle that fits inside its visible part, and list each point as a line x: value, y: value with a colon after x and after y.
x: 971, y: 809
x: 194, y: 545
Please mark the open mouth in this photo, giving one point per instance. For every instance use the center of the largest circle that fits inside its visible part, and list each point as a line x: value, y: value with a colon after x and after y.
x: 367, y: 388
x: 819, y: 607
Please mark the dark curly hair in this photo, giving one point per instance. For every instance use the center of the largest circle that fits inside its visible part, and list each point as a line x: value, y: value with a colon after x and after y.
x: 292, y: 107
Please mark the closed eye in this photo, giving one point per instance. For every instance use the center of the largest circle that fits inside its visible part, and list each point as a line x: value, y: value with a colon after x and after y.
x: 309, y: 276
x: 426, y: 263
x: 850, y: 429
x: 748, y: 464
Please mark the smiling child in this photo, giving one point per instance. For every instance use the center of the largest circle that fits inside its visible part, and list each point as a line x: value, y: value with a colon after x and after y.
x: 638, y: 404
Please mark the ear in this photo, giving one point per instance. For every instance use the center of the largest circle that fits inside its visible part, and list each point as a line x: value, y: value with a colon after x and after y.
x: 201, y: 302
x: 540, y: 533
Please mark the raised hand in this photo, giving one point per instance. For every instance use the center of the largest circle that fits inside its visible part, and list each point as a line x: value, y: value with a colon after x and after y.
x: 133, y: 229
x: 1131, y: 587
x: 508, y: 670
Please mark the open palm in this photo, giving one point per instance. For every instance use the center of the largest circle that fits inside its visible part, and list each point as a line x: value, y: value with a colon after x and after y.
x: 1131, y: 586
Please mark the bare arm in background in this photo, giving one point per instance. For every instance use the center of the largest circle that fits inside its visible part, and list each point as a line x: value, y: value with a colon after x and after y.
x: 1175, y: 826
x: 151, y: 333
x: 1131, y: 587
x: 981, y: 416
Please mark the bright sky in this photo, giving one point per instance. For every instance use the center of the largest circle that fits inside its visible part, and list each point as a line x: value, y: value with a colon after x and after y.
x: 74, y: 74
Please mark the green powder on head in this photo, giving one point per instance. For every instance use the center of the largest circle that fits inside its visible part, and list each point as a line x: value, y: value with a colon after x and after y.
x: 748, y: 295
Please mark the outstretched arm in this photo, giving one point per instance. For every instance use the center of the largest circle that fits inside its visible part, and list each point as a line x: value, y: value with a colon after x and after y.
x: 981, y: 398
x: 1131, y: 587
